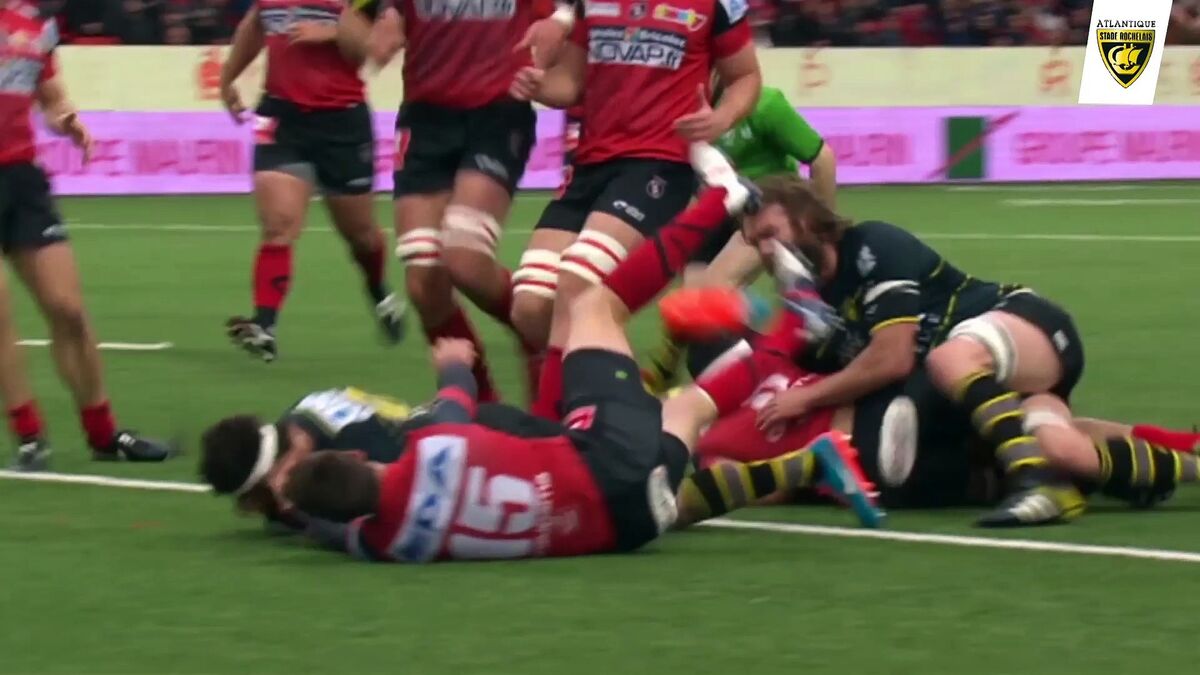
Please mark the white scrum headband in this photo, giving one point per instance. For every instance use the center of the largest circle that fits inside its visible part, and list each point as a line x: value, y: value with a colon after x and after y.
x: 268, y: 450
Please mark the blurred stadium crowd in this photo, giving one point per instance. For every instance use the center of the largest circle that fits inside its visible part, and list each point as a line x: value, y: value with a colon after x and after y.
x: 785, y: 23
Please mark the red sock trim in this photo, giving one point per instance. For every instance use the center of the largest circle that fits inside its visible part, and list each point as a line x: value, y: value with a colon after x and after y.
x: 98, y: 425
x: 25, y: 421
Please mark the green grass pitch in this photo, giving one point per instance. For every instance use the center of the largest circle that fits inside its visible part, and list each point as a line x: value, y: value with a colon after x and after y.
x: 129, y: 581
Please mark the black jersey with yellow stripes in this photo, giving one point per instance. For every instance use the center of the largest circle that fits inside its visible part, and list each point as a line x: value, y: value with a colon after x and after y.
x: 887, y: 276
x: 352, y: 419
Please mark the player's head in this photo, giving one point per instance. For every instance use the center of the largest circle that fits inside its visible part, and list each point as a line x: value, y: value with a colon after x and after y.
x: 792, y: 213
x: 337, y: 486
x: 238, y: 454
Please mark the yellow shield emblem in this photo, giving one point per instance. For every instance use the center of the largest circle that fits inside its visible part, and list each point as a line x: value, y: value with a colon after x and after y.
x: 1125, y: 53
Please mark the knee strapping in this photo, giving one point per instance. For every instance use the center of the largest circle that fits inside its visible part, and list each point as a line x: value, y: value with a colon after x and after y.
x: 593, y: 256
x: 537, y: 273
x: 421, y: 247
x: 993, y: 337
x: 470, y: 228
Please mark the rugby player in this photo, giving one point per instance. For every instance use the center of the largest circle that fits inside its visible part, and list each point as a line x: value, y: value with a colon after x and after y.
x: 312, y: 128
x: 773, y: 139
x: 983, y: 344
x: 462, y: 144
x: 640, y: 72
x: 607, y: 483
x: 34, y: 240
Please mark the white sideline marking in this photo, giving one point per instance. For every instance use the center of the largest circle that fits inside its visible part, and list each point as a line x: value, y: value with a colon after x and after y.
x: 113, y: 346
x: 1132, y: 201
x: 784, y: 528
x: 947, y: 236
x: 1110, y: 187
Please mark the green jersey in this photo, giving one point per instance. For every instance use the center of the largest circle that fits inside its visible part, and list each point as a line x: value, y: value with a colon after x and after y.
x: 771, y: 139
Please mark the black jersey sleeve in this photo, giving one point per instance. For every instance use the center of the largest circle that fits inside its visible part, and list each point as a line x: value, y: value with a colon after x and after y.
x: 889, y: 263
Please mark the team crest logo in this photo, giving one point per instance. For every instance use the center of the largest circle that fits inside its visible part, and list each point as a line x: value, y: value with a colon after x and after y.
x: 866, y: 261
x: 638, y: 10
x: 1125, y: 53
x: 684, y: 17
x: 656, y: 187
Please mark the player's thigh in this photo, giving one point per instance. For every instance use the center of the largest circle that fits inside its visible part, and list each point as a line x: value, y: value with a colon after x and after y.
x: 419, y: 247
x: 499, y: 141
x: 35, y: 242
x: 597, y: 321
x: 472, y: 225
x: 51, y: 274
x: 604, y: 243
x: 686, y: 414
x: 353, y: 216
x: 1049, y: 348
x: 283, y: 186
x: 535, y: 282
x: 341, y: 146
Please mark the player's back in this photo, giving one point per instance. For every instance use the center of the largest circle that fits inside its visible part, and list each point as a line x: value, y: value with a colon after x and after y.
x: 645, y: 64
x: 312, y: 76
x: 465, y: 491
x: 462, y: 53
x: 351, y: 419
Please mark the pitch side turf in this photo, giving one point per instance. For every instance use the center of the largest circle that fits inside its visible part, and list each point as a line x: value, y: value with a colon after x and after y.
x: 122, y: 580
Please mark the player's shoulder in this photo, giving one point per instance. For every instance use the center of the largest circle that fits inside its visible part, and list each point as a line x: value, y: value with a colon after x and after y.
x: 866, y: 243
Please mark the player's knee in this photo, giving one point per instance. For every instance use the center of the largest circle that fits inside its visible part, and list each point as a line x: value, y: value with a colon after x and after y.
x: 428, y: 289
x: 280, y: 226
x: 531, y: 316
x: 598, y: 301
x: 470, y: 230
x: 974, y: 345
x: 67, y: 318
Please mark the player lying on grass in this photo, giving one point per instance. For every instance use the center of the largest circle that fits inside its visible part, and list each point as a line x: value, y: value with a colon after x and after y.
x: 923, y: 453
x: 901, y: 304
x: 773, y: 139
x: 33, y: 239
x: 312, y: 130
x: 606, y: 483
x: 248, y: 457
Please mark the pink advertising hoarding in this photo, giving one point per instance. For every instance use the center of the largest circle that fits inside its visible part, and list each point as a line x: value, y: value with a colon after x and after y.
x: 1096, y: 143
x: 204, y: 152
x: 182, y: 153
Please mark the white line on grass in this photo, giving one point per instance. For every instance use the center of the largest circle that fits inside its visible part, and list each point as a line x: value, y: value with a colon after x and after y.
x: 783, y: 528
x: 948, y: 236
x: 112, y: 346
x: 1105, y: 187
x: 1132, y: 201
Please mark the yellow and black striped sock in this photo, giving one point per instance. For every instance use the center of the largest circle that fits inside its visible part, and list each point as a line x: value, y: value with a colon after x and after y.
x: 1141, y: 473
x: 728, y: 486
x: 997, y: 416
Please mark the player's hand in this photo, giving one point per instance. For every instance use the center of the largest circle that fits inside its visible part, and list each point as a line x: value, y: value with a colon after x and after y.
x: 231, y: 98
x: 543, y: 39
x: 706, y: 124
x: 784, y: 406
x: 386, y: 38
x: 453, y: 351
x: 527, y: 84
x: 78, y: 133
x: 312, y: 32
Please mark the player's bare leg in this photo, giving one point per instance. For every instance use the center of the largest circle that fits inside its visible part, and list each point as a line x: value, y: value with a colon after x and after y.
x: 426, y: 280
x: 1119, y: 465
x: 597, y: 251
x: 984, y: 369
x: 471, y: 231
x: 354, y: 218
x: 24, y: 418
x: 282, y: 202
x: 52, y: 276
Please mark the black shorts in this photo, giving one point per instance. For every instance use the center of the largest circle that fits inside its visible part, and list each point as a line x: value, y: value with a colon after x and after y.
x: 28, y: 218
x: 617, y: 428
x: 1059, y: 328
x: 716, y: 241
x: 645, y: 193
x: 434, y: 143
x: 335, y: 149
x: 942, y: 473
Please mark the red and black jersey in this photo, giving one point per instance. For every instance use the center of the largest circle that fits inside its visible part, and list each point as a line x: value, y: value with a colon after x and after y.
x: 645, y: 61
x: 27, y: 43
x: 469, y: 492
x: 461, y: 53
x: 310, y: 76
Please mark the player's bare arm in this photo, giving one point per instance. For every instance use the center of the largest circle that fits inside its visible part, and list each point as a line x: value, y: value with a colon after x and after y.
x: 61, y: 116
x: 544, y: 38
x: 248, y: 41
x: 889, y: 357
x: 558, y: 86
x: 743, y: 78
x: 822, y: 172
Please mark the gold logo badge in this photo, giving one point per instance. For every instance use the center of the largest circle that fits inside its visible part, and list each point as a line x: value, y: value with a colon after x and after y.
x: 1125, y: 53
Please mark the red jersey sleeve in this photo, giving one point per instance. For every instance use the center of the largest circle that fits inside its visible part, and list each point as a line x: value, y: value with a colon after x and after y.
x: 731, y: 30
